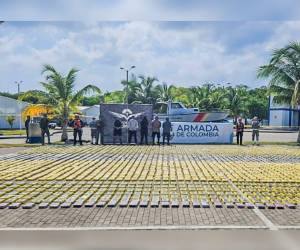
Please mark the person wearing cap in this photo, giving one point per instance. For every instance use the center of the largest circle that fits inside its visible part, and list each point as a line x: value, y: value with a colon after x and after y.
x: 167, y: 128
x: 144, y: 130
x: 93, y: 126
x: 44, y: 125
x: 77, y: 125
x: 239, y: 131
x: 99, y: 131
x: 156, y: 124
x: 117, y: 132
x: 255, y: 130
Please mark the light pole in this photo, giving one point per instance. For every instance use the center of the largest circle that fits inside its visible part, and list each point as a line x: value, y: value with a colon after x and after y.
x: 18, y: 83
x: 19, y: 104
x: 127, y: 81
x: 127, y: 92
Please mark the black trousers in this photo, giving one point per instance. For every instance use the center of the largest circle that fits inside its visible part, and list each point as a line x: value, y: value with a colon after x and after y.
x: 93, y: 135
x: 144, y: 135
x: 166, y: 135
x: 130, y: 134
x: 99, y: 134
x: 45, y: 131
x: 153, y: 136
x: 239, y: 138
x: 255, y: 135
x: 79, y: 133
x: 27, y: 135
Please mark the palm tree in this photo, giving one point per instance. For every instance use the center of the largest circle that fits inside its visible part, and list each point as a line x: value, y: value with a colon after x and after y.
x: 10, y: 120
x: 140, y: 92
x: 60, y: 93
x: 164, y: 92
x: 283, y: 70
x: 200, y: 96
x: 147, y: 92
x: 131, y: 89
x: 218, y: 98
x: 236, y: 97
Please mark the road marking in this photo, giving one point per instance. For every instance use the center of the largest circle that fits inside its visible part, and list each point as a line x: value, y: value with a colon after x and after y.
x: 267, y: 222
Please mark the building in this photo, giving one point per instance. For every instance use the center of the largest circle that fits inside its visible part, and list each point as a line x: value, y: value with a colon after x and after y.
x: 283, y: 115
x: 9, y: 106
x: 88, y: 112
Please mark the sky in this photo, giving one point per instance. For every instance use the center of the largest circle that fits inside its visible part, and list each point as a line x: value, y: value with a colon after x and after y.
x: 185, y: 43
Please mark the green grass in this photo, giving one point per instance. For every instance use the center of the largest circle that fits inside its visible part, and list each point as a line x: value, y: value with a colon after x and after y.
x: 12, y: 132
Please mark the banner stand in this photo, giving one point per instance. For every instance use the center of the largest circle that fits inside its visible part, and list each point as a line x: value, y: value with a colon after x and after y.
x: 201, y: 133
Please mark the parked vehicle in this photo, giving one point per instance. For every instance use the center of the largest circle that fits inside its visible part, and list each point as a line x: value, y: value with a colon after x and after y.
x: 177, y: 112
x: 52, y: 125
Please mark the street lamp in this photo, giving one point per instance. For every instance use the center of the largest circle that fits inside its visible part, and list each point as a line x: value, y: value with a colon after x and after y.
x: 19, y: 103
x: 127, y: 81
x: 127, y: 90
x: 18, y: 83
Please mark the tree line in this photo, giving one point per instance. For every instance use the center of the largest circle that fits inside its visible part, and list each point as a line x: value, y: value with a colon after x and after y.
x: 282, y: 71
x: 239, y: 100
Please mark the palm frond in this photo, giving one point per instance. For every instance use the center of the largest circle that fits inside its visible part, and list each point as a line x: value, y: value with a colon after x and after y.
x: 284, y: 73
x: 70, y: 79
x: 296, y: 95
x: 49, y: 68
x: 44, y: 96
x: 56, y: 79
x: 87, y: 89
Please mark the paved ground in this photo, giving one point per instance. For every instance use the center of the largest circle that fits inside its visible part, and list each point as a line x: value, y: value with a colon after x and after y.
x: 131, y: 217
x: 11, y: 150
x: 151, y: 186
x: 86, y: 239
x: 265, y: 136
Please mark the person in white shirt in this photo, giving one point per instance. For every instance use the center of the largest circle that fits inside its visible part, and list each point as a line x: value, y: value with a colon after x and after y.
x: 255, y: 130
x: 133, y: 126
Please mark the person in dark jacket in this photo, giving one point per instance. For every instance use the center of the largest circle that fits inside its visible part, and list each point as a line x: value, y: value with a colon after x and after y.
x: 27, y: 122
x: 77, y: 125
x: 167, y: 128
x: 44, y: 125
x: 100, y: 129
x: 239, y: 131
x: 117, y: 131
x: 144, y: 130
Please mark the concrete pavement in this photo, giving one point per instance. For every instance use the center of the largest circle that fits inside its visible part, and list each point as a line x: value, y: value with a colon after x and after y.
x: 265, y: 136
x: 151, y: 187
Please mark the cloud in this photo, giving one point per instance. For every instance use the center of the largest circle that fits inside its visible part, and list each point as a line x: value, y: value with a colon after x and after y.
x: 150, y: 10
x: 9, y: 43
x: 182, y: 53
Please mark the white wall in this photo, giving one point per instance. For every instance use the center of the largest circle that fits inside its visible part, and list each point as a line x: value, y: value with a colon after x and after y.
x: 9, y: 106
x: 90, y: 112
x: 280, y: 117
x: 276, y: 118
